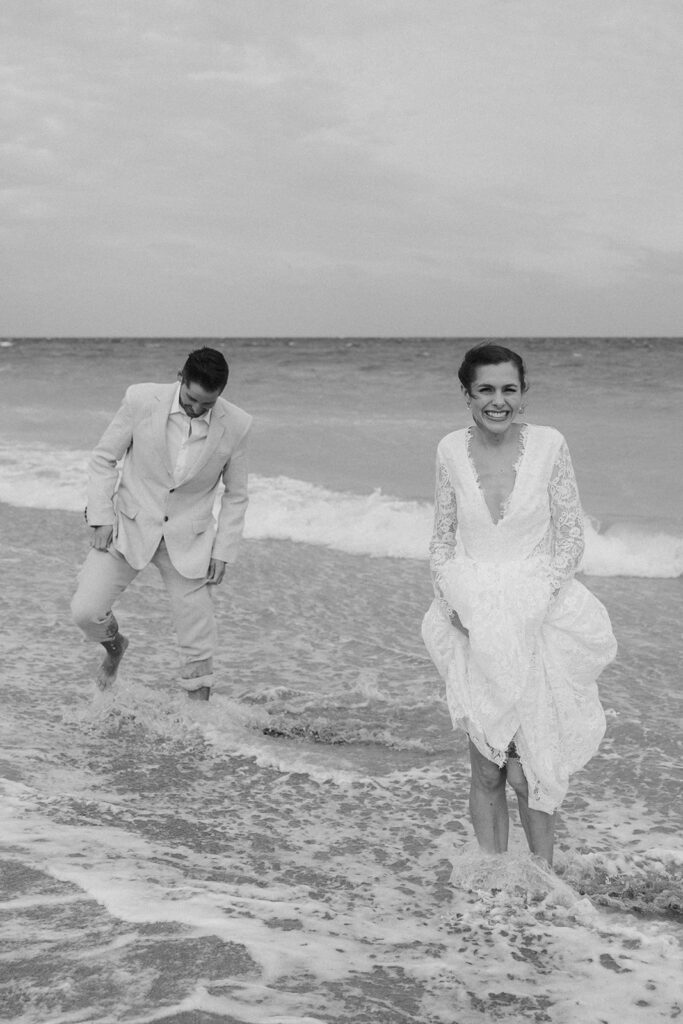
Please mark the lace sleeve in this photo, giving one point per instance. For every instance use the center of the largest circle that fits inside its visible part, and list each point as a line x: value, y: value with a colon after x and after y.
x: 445, y: 526
x: 567, y: 520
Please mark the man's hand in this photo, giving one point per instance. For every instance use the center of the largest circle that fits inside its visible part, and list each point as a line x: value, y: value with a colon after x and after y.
x: 101, y: 537
x: 216, y: 571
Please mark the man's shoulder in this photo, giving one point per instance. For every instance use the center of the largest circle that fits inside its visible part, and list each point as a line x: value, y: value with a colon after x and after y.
x: 148, y: 392
x: 233, y: 415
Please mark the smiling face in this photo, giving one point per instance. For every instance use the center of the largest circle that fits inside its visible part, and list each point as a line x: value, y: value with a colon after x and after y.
x: 495, y: 397
x: 196, y: 400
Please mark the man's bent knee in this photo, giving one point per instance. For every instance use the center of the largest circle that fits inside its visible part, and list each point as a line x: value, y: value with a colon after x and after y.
x: 96, y: 626
x: 81, y: 612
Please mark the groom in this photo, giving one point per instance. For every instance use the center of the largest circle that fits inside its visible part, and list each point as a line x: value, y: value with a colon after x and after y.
x: 178, y: 443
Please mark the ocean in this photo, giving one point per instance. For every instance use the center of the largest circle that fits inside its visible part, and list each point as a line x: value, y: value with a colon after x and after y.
x: 299, y: 851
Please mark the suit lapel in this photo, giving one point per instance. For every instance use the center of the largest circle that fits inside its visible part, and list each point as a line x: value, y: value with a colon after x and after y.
x: 216, y: 431
x: 160, y: 415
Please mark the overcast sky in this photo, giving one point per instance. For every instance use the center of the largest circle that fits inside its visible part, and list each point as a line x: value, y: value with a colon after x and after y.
x: 340, y: 167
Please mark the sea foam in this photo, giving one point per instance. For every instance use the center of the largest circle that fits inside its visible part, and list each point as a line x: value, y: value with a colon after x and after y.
x: 376, y: 524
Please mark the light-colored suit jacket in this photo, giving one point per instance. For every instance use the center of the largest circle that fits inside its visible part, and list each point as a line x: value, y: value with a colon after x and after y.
x: 145, y: 504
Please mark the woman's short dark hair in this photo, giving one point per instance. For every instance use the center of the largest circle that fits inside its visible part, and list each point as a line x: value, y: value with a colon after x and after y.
x: 206, y: 367
x: 488, y: 354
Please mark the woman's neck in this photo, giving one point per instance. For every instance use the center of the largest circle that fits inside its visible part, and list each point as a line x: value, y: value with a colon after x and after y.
x: 487, y: 439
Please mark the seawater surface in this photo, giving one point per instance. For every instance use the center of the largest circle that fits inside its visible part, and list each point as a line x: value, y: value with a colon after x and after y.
x: 299, y: 850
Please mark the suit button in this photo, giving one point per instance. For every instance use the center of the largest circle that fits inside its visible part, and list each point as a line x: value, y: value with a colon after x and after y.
x: 165, y: 519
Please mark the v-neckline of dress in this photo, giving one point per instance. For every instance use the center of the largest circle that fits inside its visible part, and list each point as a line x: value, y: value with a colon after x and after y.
x: 521, y: 451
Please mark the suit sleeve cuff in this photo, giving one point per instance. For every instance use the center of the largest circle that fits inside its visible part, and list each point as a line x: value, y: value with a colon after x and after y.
x: 100, y: 517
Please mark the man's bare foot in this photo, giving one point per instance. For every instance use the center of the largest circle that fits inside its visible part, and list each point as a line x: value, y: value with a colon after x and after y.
x: 201, y: 693
x: 115, y: 650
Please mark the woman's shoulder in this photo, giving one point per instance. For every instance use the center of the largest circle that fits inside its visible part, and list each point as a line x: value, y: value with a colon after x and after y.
x: 455, y: 437
x: 548, y: 437
x: 452, y: 440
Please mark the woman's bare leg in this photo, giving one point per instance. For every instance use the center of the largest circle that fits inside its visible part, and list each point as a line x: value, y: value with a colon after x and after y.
x: 539, y: 827
x: 488, y: 806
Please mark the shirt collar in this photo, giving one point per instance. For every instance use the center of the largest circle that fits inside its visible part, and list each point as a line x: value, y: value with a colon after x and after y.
x: 176, y: 407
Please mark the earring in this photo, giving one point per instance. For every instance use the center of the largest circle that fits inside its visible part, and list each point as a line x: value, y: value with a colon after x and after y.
x: 522, y: 408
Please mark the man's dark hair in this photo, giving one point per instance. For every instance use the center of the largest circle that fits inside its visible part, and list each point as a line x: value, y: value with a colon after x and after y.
x: 489, y: 354
x: 206, y: 367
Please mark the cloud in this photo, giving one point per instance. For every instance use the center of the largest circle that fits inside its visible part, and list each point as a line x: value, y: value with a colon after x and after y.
x: 219, y: 163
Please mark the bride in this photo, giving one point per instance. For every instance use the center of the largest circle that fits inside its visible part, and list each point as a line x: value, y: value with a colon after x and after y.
x: 519, y: 642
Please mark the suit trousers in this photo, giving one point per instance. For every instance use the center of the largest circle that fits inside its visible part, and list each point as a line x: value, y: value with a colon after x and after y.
x: 106, y: 574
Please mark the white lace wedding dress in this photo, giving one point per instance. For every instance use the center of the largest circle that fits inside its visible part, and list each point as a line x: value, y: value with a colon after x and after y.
x: 538, y: 639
